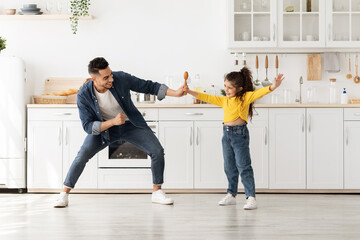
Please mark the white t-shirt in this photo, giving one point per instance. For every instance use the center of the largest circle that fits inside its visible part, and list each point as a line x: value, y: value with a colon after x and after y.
x: 109, y: 107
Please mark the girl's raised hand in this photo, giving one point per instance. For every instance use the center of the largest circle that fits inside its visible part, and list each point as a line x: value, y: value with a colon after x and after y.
x: 277, y: 82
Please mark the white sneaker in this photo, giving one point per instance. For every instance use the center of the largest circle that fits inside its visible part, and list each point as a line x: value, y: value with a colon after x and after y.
x: 62, y: 200
x: 229, y: 199
x: 160, y: 197
x: 250, y: 203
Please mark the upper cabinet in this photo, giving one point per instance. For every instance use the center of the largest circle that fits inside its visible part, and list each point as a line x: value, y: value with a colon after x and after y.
x: 252, y: 23
x: 301, y: 23
x: 294, y: 23
x: 342, y: 23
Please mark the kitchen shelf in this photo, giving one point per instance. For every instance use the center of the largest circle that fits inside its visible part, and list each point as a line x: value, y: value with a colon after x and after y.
x: 41, y: 17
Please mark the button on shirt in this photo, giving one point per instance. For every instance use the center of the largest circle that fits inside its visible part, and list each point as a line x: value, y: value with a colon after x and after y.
x: 108, y: 105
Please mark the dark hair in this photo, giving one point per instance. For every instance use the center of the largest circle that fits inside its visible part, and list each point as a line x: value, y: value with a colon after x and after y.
x: 243, y: 79
x: 97, y: 64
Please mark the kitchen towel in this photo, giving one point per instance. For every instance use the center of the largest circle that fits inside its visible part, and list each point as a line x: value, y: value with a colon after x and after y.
x: 331, y: 62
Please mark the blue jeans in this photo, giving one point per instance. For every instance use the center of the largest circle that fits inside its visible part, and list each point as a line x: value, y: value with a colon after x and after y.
x: 237, y: 159
x: 142, y: 138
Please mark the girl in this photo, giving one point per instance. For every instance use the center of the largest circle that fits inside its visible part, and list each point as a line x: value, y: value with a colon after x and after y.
x: 238, y: 105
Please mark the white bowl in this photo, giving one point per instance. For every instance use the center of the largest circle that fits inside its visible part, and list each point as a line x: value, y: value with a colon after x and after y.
x: 294, y: 38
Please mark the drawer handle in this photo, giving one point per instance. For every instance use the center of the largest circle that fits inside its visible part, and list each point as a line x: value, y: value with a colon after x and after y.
x: 63, y: 114
x: 357, y: 114
x: 193, y: 114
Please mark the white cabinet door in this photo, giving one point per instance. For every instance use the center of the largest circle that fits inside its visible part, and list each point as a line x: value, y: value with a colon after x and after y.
x: 208, y: 161
x: 73, y: 138
x: 342, y: 23
x: 252, y: 23
x: 44, y: 154
x: 324, y: 148
x: 287, y: 148
x: 259, y: 147
x: 351, y: 154
x: 304, y: 26
x: 177, y: 138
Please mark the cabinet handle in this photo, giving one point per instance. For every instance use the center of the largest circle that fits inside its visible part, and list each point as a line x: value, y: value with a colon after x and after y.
x: 347, y: 136
x: 329, y: 34
x: 266, y: 136
x: 66, y: 136
x: 303, y: 123
x: 309, y: 123
x: 197, y: 136
x: 274, y: 28
x: 62, y: 114
x: 191, y: 132
x: 60, y: 136
x: 192, y: 114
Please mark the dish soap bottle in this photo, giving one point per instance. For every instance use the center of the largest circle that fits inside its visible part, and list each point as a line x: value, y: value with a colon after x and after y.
x: 344, y: 97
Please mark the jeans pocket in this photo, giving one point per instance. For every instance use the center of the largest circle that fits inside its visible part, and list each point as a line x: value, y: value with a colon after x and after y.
x: 240, y: 132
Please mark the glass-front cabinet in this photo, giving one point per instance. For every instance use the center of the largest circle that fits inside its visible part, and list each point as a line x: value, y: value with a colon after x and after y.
x: 301, y: 23
x: 252, y: 23
x: 343, y: 23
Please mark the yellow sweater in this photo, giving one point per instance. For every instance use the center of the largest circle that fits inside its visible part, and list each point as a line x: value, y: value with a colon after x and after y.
x: 233, y: 107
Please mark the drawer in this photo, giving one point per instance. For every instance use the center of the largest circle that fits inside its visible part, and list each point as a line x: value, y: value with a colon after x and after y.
x: 53, y: 114
x: 352, y: 114
x: 126, y: 178
x: 149, y: 114
x: 191, y: 114
x: 260, y: 114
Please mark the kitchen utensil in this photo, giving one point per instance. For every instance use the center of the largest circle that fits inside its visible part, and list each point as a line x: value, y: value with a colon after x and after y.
x: 257, y: 81
x: 266, y: 82
x: 356, y: 78
x: 277, y: 65
x: 349, y: 76
x: 313, y: 66
x: 186, y: 76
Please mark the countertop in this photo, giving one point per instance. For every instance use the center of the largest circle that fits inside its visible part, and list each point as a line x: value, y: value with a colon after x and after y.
x: 152, y: 105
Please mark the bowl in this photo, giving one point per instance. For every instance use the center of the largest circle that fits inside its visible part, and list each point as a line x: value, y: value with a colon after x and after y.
x: 294, y: 38
x: 10, y: 11
x: 30, y: 5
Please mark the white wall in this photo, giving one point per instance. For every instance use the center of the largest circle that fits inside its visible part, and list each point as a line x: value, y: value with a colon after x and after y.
x: 149, y: 39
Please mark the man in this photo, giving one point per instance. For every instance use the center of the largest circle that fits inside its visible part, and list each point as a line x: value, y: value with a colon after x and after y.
x: 107, y: 115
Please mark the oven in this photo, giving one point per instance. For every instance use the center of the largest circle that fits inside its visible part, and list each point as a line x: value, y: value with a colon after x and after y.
x: 126, y: 155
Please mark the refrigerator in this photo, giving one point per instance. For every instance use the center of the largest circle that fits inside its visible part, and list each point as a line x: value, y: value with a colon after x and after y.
x: 12, y: 123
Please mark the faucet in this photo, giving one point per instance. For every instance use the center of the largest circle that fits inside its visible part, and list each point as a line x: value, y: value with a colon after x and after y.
x: 299, y: 100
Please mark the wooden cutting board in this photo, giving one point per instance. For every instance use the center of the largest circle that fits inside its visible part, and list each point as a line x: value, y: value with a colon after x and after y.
x: 313, y: 63
x: 53, y: 85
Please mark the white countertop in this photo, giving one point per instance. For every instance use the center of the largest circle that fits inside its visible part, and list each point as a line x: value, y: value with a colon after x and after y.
x: 152, y: 105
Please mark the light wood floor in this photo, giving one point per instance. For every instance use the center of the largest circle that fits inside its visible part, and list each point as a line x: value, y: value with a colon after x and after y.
x: 194, y: 216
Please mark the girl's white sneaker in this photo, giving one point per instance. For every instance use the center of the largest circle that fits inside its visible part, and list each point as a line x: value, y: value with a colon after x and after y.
x: 229, y: 199
x: 250, y: 203
x: 160, y: 197
x: 62, y: 200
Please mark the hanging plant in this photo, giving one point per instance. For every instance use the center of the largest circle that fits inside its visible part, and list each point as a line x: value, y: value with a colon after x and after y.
x: 2, y: 43
x: 78, y: 8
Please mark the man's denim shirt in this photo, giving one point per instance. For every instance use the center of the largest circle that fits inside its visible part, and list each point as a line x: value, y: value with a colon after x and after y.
x: 123, y: 82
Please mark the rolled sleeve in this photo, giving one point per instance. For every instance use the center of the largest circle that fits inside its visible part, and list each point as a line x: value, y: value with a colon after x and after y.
x: 162, y: 92
x: 96, y: 127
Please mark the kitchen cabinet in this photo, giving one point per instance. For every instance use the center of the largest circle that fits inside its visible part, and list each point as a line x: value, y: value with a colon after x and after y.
x: 252, y: 23
x: 193, y: 152
x: 287, y: 148
x: 304, y: 26
x: 259, y: 147
x: 306, y: 148
x: 351, y: 148
x: 54, y: 138
x: 324, y: 148
x: 342, y: 23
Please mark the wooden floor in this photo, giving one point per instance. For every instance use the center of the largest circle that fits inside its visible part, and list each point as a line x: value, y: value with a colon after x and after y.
x: 194, y: 216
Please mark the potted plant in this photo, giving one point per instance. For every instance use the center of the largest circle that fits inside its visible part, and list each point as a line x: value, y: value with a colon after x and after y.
x: 78, y: 8
x: 2, y: 43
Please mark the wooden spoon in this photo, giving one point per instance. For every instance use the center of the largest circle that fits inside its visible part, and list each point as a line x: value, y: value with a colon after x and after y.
x: 257, y: 81
x: 356, y: 78
x: 349, y: 76
x: 186, y: 76
x: 277, y: 65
